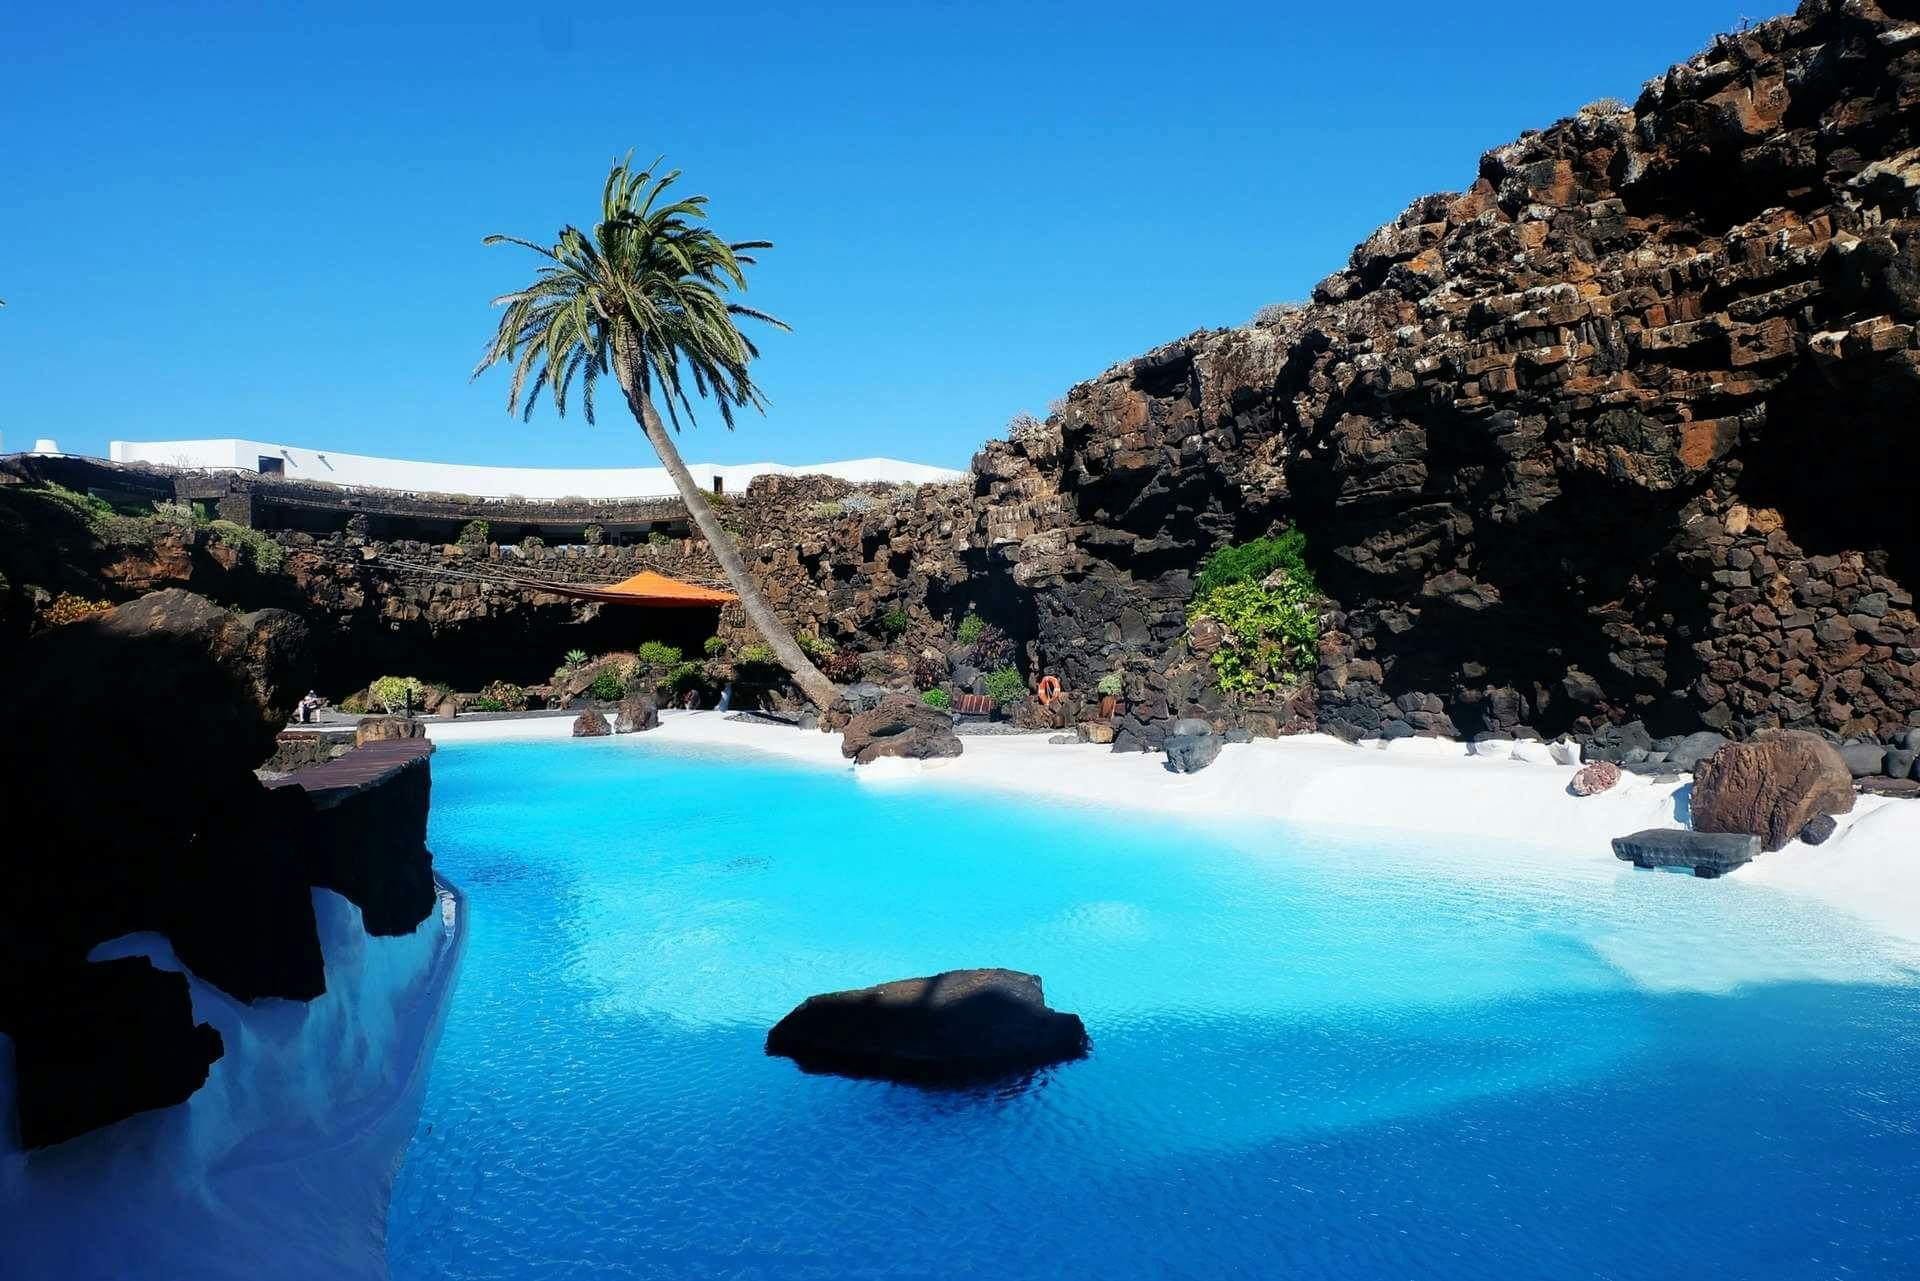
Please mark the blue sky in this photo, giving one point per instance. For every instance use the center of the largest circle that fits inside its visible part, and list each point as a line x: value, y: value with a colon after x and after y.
x: 266, y: 222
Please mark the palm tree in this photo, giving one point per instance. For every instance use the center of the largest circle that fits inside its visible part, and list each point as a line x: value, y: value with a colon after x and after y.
x: 645, y: 298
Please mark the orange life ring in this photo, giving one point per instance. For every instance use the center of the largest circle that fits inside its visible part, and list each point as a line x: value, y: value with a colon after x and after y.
x: 1049, y: 690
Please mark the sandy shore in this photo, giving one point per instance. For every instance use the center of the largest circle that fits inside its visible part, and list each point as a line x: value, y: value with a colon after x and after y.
x: 1870, y: 867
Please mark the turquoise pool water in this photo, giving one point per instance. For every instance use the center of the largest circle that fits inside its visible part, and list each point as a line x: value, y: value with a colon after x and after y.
x: 1317, y: 1053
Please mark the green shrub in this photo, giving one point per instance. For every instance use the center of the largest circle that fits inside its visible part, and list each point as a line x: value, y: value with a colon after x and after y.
x: 1005, y: 685
x: 937, y: 698
x: 354, y: 704
x: 814, y: 647
x: 507, y: 696
x: 970, y: 628
x: 393, y: 693
x: 532, y: 542
x: 756, y: 654
x: 1252, y: 562
x: 263, y: 550
x: 713, y: 646
x: 659, y: 654
x: 574, y: 658
x: 594, y: 535
x: 827, y: 511
x: 1110, y: 685
x: 474, y: 533
x: 895, y: 622
x: 609, y: 686
x: 682, y: 677
x: 482, y: 703
x: 659, y: 538
x: 1272, y: 634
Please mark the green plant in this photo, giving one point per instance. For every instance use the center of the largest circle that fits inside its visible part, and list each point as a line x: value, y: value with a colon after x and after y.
x: 609, y: 686
x: 574, y: 659
x: 937, y: 698
x: 827, y: 510
x: 756, y: 654
x: 532, y: 542
x: 1254, y: 561
x: 354, y: 704
x: 508, y: 696
x: 395, y: 693
x: 1005, y: 685
x: 482, y: 703
x: 474, y: 533
x: 991, y: 647
x: 178, y: 514
x: 659, y: 654
x: 263, y: 550
x: 659, y: 538
x: 814, y: 647
x: 1272, y: 634
x: 1110, y: 685
x: 895, y: 622
x: 713, y: 646
x: 594, y: 535
x: 970, y: 628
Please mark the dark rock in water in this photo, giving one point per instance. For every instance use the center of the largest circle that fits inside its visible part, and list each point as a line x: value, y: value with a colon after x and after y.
x: 1818, y: 829
x: 1191, y: 753
x: 1771, y: 787
x: 1694, y: 748
x: 901, y: 725
x: 381, y: 729
x: 365, y: 832
x: 591, y: 724
x: 637, y: 714
x: 103, y: 1041
x: 1709, y: 854
x: 1864, y: 760
x: 963, y: 1025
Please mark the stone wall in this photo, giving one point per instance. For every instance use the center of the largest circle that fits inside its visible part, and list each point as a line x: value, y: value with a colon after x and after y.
x: 1617, y: 433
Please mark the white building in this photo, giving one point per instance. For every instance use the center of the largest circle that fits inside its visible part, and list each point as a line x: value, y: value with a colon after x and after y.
x: 494, y: 482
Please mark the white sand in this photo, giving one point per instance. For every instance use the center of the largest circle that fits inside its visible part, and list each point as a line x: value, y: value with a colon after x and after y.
x: 1870, y: 867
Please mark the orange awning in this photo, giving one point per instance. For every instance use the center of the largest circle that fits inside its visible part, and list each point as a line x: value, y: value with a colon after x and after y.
x: 649, y: 588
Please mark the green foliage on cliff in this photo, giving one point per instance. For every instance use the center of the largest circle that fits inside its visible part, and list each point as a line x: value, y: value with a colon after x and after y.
x: 1272, y: 634
x: 937, y: 698
x: 659, y: 653
x: 393, y: 693
x: 1252, y: 562
x: 814, y: 647
x: 970, y: 628
x: 609, y: 686
x: 263, y: 550
x: 474, y: 533
x: 894, y: 622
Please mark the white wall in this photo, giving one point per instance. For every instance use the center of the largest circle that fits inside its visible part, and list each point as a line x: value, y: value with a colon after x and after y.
x: 496, y: 482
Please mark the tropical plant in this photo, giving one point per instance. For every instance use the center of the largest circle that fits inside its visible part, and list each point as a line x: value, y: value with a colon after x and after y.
x: 1271, y: 634
x: 1005, y: 685
x: 474, y: 533
x: 815, y: 647
x: 756, y: 654
x: 397, y: 693
x: 713, y: 646
x: 970, y: 628
x: 1254, y: 561
x: 482, y: 703
x: 508, y: 697
x: 895, y: 622
x: 1110, y: 685
x: 609, y: 686
x: 574, y: 658
x: 937, y: 698
x: 659, y: 653
x: 644, y: 297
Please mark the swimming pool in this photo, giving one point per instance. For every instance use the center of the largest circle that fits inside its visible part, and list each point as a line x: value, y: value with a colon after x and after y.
x: 1316, y: 1053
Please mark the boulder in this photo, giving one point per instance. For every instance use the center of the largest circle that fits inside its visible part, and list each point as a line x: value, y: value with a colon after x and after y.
x: 864, y: 696
x: 636, y: 715
x: 963, y: 1025
x: 591, y: 724
x: 1900, y: 763
x: 1594, y: 779
x: 1191, y: 753
x: 1613, y: 742
x: 1818, y: 829
x: 1096, y: 731
x: 384, y: 729
x: 1709, y: 854
x: 1864, y: 760
x: 900, y: 725
x: 1694, y: 748
x: 1771, y: 787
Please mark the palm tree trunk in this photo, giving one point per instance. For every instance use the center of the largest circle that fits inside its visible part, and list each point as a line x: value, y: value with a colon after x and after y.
x: 818, y: 689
